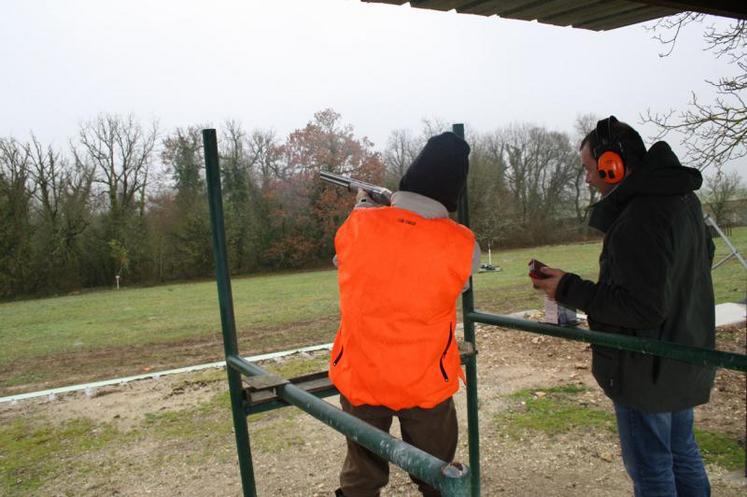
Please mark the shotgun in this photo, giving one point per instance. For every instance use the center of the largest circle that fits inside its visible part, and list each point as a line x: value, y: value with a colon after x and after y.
x: 378, y: 194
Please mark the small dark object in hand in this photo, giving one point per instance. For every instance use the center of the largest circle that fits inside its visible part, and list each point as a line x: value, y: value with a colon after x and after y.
x: 534, y: 270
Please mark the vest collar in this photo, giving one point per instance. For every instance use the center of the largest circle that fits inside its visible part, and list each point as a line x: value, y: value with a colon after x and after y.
x: 419, y: 204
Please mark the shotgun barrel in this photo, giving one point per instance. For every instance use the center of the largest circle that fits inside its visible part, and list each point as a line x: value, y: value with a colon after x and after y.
x: 378, y: 194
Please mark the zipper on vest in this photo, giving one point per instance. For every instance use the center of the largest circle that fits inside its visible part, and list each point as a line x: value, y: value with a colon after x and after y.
x: 339, y: 356
x: 443, y: 356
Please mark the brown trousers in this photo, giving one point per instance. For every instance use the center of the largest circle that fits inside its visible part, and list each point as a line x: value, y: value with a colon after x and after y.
x: 433, y: 430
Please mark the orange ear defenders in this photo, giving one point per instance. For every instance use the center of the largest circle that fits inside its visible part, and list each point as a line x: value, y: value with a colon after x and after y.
x: 609, y: 153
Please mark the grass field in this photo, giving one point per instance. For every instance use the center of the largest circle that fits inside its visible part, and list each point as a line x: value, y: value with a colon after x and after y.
x: 63, y: 340
x: 160, y: 314
x: 508, y: 290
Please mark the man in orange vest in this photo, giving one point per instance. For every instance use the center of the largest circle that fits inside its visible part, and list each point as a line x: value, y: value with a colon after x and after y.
x: 401, y: 269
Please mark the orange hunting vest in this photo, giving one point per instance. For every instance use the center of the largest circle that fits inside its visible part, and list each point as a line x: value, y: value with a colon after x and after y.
x: 400, y: 275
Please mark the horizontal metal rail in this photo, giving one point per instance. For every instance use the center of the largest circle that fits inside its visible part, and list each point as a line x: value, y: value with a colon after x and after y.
x: 317, y: 384
x: 451, y: 479
x: 670, y: 350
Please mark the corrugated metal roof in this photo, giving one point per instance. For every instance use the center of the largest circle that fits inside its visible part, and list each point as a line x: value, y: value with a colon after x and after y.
x: 587, y: 14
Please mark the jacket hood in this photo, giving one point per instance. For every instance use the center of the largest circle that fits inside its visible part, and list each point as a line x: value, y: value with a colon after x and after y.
x: 660, y: 173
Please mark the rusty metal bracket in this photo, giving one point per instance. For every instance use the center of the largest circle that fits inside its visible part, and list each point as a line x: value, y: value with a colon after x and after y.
x: 264, y: 382
x: 263, y: 388
x: 466, y: 349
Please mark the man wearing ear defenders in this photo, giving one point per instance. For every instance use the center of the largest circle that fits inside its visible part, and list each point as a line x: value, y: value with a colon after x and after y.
x: 654, y: 282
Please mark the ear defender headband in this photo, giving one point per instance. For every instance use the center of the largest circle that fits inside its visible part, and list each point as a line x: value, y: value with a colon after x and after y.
x: 609, y: 153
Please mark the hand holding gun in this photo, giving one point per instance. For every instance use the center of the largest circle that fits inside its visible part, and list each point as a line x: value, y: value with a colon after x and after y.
x: 378, y: 194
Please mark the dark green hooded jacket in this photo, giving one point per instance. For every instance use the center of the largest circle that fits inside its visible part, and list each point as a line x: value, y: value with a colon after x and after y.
x: 654, y: 282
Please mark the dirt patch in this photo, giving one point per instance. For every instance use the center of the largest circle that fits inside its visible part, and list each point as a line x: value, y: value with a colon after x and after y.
x: 295, y: 455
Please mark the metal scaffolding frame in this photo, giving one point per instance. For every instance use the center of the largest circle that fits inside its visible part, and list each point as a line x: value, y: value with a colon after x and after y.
x: 452, y: 479
x: 733, y: 251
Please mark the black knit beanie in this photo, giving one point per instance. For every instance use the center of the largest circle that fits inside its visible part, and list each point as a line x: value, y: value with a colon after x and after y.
x: 440, y: 170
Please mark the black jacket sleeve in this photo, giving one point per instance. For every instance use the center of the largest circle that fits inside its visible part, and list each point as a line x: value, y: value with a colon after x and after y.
x: 635, y: 289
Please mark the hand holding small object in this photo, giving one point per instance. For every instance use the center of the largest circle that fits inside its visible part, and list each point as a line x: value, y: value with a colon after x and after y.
x: 545, y: 278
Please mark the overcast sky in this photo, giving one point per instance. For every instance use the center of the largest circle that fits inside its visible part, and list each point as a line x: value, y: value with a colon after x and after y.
x: 273, y: 63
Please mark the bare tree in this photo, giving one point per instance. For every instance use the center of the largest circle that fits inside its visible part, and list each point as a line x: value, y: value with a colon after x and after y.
x: 56, y: 181
x: 401, y: 149
x: 16, y: 192
x: 490, y: 203
x: 712, y: 133
x: 265, y: 156
x: 433, y: 126
x: 47, y: 175
x: 583, y: 195
x: 119, y: 149
x: 540, y: 166
x: 720, y: 189
x: 15, y: 167
x: 235, y: 164
x: 62, y: 194
x: 181, y: 154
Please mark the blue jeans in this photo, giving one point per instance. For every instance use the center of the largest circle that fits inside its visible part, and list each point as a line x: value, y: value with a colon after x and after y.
x: 660, y: 453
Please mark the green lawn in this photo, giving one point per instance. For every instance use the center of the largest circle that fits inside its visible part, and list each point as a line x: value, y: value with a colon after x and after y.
x: 265, y: 306
x: 508, y: 290
x: 159, y: 314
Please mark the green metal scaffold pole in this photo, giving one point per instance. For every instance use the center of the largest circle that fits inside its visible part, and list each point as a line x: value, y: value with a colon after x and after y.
x: 228, y: 322
x: 451, y: 479
x: 470, y: 362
